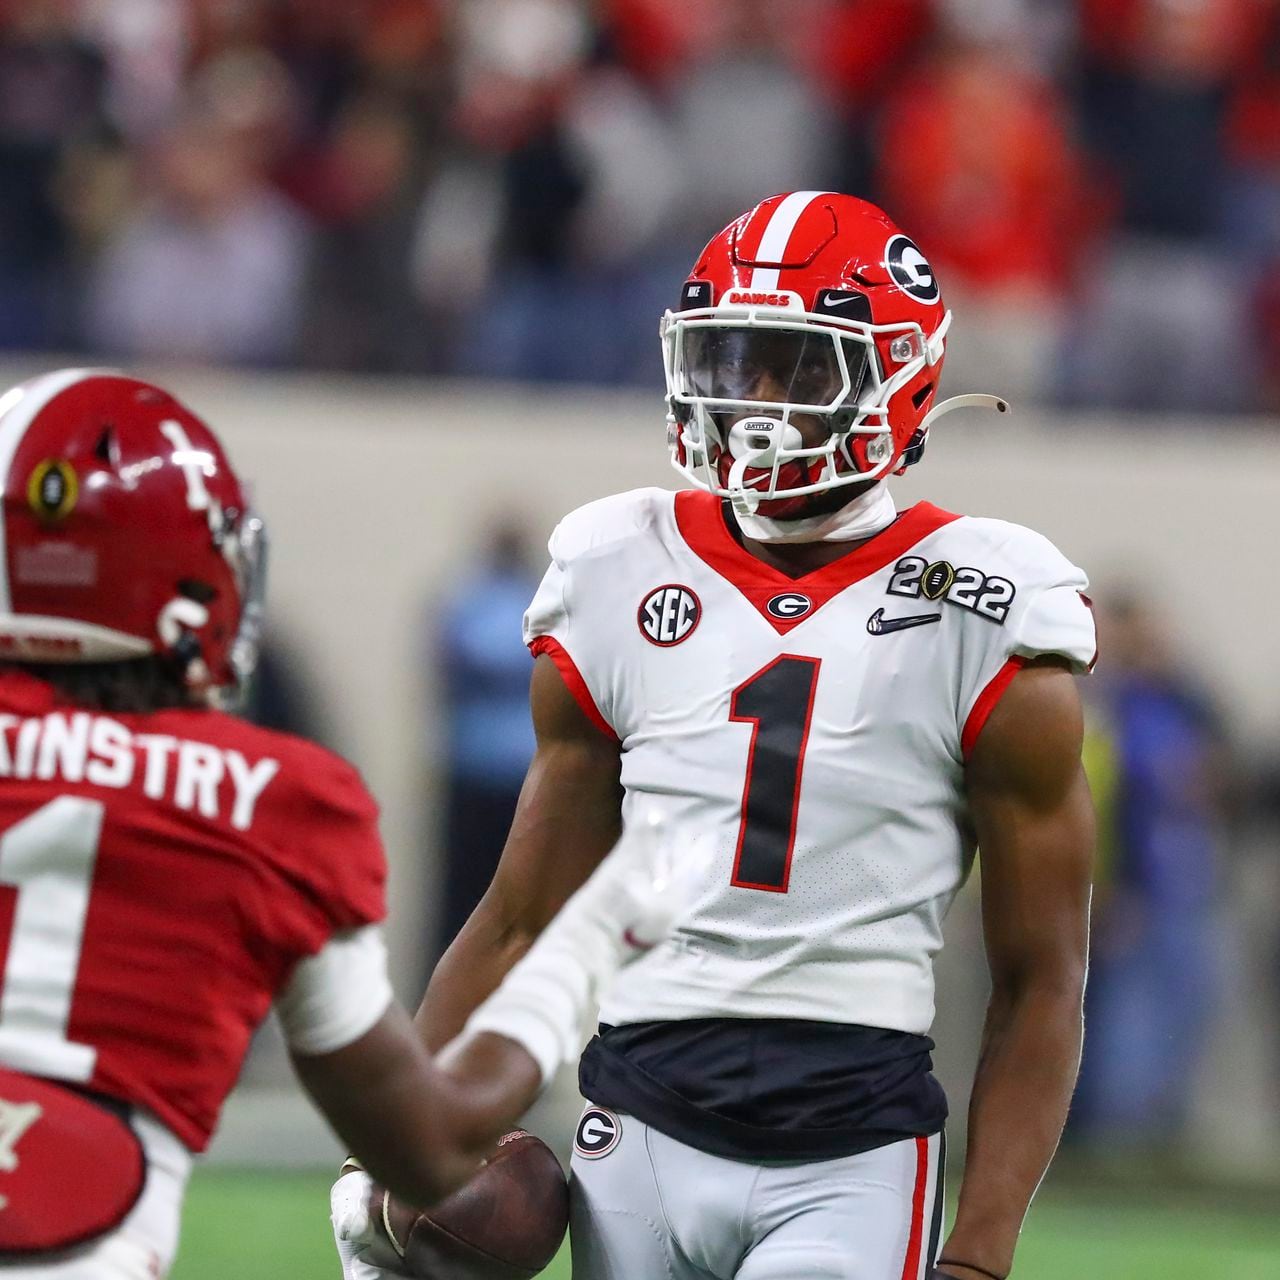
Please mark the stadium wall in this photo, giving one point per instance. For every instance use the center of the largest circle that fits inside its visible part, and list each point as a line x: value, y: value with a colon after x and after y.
x: 378, y: 494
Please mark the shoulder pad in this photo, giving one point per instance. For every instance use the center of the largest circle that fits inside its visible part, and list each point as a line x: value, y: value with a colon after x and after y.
x: 608, y: 520
x: 1023, y: 552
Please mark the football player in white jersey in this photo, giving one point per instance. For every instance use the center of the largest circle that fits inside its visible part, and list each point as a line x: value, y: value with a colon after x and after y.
x: 840, y: 701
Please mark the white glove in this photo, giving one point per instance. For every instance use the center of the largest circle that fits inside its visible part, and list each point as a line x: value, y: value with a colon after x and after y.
x: 363, y: 1247
x: 627, y: 906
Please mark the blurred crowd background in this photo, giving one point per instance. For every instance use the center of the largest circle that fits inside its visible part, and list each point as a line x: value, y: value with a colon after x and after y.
x: 513, y: 189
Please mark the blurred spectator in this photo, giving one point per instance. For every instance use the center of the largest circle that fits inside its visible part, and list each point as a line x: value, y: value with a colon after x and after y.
x: 145, y: 46
x: 750, y: 115
x: 52, y: 87
x: 1251, y: 221
x: 210, y: 267
x: 510, y: 188
x: 545, y: 218
x: 1153, y: 93
x: 1166, y: 323
x: 1164, y: 328
x: 1159, y: 770
x: 361, y: 312
x: 992, y: 181
x: 479, y: 643
x: 857, y: 52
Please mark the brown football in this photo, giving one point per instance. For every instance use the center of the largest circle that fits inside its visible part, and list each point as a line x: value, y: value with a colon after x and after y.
x: 507, y: 1223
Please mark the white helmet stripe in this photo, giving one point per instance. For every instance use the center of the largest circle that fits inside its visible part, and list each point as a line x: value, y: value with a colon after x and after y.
x: 773, y: 244
x: 18, y: 408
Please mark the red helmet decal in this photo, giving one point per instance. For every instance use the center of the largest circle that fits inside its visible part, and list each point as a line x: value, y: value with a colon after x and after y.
x: 121, y: 525
x: 861, y: 308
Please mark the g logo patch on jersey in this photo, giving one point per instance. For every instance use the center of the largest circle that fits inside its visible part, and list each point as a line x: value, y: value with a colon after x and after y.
x: 789, y: 605
x: 599, y: 1131
x: 910, y: 270
x: 669, y: 615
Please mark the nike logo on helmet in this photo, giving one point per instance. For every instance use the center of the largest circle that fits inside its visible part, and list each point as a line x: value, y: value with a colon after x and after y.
x: 879, y: 625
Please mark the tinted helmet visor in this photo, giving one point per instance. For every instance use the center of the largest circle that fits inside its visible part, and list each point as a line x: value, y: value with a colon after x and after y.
x: 771, y: 365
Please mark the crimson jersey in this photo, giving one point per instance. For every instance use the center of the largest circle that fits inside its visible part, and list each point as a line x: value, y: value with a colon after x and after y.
x: 160, y: 877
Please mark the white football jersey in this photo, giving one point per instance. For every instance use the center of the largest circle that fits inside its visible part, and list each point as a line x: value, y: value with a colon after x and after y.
x: 812, y: 731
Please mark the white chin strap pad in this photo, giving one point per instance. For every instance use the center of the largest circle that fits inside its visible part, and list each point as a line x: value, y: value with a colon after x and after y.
x: 756, y: 440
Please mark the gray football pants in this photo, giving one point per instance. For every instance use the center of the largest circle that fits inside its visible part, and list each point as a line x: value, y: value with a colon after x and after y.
x: 652, y: 1208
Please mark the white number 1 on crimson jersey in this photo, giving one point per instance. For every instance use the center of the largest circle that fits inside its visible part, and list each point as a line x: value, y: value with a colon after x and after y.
x: 48, y: 858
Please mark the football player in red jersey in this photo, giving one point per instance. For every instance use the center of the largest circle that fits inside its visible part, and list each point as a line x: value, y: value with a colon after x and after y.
x: 840, y: 699
x: 169, y: 872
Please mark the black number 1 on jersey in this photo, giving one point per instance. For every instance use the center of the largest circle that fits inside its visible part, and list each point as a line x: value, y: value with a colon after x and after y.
x: 778, y: 702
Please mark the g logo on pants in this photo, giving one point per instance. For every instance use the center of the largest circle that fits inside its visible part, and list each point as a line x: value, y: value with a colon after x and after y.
x: 599, y: 1131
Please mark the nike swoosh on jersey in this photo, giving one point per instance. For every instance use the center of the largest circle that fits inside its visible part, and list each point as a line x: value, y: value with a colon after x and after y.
x: 879, y: 625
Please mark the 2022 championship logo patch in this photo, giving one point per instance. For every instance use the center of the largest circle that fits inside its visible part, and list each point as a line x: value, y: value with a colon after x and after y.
x: 599, y: 1131
x: 988, y: 595
x: 669, y: 614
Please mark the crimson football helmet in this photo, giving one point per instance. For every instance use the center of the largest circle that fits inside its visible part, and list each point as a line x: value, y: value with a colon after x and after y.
x: 124, y: 532
x: 812, y: 304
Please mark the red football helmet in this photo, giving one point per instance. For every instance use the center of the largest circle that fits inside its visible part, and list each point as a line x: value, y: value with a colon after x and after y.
x: 123, y: 531
x: 811, y: 304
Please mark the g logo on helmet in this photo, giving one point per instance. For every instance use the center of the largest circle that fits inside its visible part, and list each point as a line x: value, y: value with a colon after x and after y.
x: 910, y: 270
x: 789, y: 605
x: 669, y: 615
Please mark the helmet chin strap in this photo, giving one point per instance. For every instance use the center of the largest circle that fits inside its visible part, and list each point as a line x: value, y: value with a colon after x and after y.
x: 754, y: 443
x: 974, y: 400
x: 863, y: 517
x: 866, y: 515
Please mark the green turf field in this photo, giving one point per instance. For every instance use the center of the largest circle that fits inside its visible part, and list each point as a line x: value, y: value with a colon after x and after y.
x: 261, y: 1227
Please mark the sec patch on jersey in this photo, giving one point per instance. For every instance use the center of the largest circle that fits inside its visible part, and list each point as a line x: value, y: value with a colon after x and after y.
x: 669, y: 614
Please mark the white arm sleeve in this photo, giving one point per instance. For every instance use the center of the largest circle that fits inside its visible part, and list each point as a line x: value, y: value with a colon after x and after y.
x: 336, y: 995
x: 627, y: 906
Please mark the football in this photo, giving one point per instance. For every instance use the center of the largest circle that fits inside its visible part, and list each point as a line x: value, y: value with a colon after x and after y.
x: 507, y: 1223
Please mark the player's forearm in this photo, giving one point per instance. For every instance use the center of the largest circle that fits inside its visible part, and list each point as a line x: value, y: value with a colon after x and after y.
x: 1021, y: 1092
x: 491, y: 1082
x: 420, y: 1127
x: 482, y: 954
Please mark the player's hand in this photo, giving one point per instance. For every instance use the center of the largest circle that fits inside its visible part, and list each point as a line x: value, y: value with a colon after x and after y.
x: 645, y: 884
x: 629, y: 904
x: 355, y: 1208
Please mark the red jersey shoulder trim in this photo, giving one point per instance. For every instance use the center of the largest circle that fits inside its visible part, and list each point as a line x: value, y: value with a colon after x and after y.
x: 1097, y: 649
x: 986, y: 704
x: 700, y: 520
x: 573, y: 680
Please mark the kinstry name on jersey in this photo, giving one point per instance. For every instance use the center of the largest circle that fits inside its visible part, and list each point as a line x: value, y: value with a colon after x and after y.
x: 80, y: 747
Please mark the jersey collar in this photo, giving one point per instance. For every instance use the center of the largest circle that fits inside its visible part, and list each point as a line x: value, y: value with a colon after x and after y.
x: 700, y: 520
x: 21, y: 691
